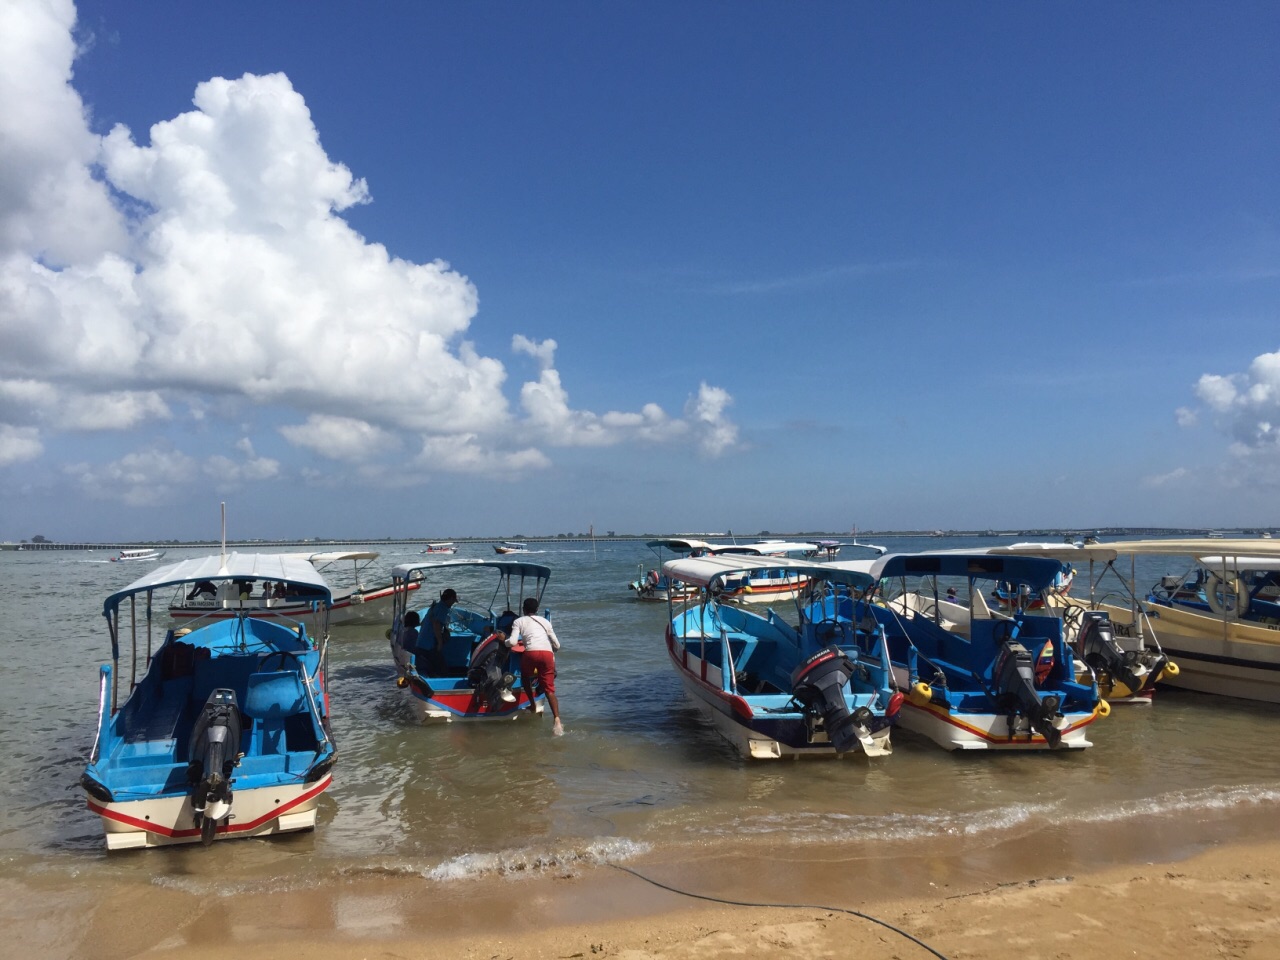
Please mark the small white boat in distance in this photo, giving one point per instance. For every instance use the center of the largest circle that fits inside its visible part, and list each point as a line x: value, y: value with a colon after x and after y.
x: 138, y: 555
x: 441, y: 548
x: 511, y: 546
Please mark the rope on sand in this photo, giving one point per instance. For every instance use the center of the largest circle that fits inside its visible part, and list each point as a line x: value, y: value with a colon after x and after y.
x: 785, y: 906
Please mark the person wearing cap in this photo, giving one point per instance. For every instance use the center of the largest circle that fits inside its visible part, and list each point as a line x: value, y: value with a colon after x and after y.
x: 538, y: 640
x: 435, y: 634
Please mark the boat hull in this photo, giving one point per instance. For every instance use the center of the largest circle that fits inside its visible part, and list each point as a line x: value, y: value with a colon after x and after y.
x: 447, y: 706
x: 1236, y: 659
x: 755, y: 736
x: 988, y: 731
x: 168, y: 820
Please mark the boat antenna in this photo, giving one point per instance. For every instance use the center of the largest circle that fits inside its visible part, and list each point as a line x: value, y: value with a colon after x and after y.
x: 224, y: 533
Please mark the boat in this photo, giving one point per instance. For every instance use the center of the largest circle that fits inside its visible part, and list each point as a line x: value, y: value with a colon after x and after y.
x: 511, y: 546
x: 138, y: 555
x: 975, y: 679
x: 1223, y: 630
x: 772, y: 689
x: 355, y: 605
x: 653, y: 584
x: 1121, y: 651
x: 764, y: 583
x: 223, y: 731
x: 441, y: 548
x: 479, y: 679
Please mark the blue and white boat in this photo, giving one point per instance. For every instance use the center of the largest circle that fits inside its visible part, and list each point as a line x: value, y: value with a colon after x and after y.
x: 477, y: 678
x: 653, y: 584
x: 771, y: 689
x: 977, y: 679
x: 223, y: 730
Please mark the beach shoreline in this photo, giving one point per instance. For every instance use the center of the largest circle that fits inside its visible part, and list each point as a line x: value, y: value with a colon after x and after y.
x: 1014, y: 902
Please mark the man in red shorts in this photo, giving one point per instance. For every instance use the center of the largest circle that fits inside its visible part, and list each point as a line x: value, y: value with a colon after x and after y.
x: 538, y: 662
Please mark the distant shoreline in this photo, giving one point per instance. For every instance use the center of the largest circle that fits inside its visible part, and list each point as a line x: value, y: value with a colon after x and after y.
x: 316, y: 543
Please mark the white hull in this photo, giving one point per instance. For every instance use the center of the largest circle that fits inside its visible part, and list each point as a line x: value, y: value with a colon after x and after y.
x: 755, y: 745
x: 165, y: 821
x: 989, y: 731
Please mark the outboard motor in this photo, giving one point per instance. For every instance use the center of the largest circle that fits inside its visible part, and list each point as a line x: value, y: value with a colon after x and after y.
x: 1098, y: 648
x: 1016, y: 685
x: 214, y: 752
x: 488, y: 674
x: 819, y: 684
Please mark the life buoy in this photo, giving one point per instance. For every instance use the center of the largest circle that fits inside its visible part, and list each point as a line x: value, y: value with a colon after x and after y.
x: 653, y: 578
x: 1217, y: 590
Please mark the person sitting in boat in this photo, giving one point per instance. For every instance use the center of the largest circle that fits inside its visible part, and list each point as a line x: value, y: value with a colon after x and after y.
x: 435, y: 634
x: 280, y: 591
x: 202, y: 588
x: 266, y: 590
x: 406, y: 642
x: 951, y: 595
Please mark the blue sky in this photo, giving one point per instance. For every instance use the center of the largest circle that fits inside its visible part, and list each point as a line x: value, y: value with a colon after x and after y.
x: 478, y: 268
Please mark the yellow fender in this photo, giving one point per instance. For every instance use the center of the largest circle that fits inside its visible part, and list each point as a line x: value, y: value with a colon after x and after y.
x: 1104, y: 708
x: 1170, y: 670
x: 920, y: 694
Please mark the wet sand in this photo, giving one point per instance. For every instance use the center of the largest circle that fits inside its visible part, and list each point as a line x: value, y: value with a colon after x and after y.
x: 1013, y: 902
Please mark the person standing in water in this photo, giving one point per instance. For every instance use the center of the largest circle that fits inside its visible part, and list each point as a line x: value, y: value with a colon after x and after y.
x: 538, y: 661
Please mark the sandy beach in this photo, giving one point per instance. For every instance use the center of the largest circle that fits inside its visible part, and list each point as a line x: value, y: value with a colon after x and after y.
x: 1223, y: 902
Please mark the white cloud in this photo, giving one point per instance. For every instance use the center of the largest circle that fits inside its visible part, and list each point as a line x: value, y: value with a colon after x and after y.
x: 225, y: 273
x: 466, y: 453
x: 139, y: 479
x: 1248, y: 403
x: 716, y: 433
x: 1186, y: 417
x: 340, y: 438
x: 18, y: 444
x: 1165, y: 478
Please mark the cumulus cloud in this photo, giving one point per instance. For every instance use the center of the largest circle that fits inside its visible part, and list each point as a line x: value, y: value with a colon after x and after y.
x: 1186, y: 417
x: 208, y: 262
x: 1165, y: 478
x: 466, y: 453
x: 341, y: 438
x: 1247, y: 405
x: 18, y: 444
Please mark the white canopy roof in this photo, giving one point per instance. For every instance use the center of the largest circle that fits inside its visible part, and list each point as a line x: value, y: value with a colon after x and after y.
x: 287, y: 567
x: 766, y: 548
x: 700, y: 571
x: 517, y: 568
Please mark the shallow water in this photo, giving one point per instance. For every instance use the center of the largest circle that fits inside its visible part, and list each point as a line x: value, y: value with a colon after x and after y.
x: 638, y: 772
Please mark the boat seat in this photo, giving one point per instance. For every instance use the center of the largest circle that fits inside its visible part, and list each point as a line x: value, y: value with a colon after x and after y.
x: 270, y: 699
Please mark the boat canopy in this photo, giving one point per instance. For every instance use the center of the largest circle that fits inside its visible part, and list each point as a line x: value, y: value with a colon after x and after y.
x: 336, y: 556
x: 1236, y: 564
x: 766, y: 548
x: 514, y: 568
x: 1198, y: 546
x: 1065, y: 553
x: 289, y: 568
x: 680, y: 545
x: 703, y: 571
x: 1037, y: 572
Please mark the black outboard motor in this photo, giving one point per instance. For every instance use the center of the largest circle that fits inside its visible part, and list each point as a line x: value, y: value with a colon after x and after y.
x: 1098, y: 648
x: 1015, y: 679
x: 819, y: 684
x: 487, y: 672
x: 214, y: 752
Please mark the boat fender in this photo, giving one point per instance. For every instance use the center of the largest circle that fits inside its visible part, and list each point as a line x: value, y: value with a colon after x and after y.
x: 1170, y: 670
x: 921, y: 694
x: 895, y: 704
x: 1104, y: 708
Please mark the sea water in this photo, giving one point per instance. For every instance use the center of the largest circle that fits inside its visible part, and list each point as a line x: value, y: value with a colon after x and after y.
x: 639, y: 774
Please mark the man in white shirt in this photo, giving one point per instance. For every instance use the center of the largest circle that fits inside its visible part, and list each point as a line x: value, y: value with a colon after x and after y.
x: 537, y: 638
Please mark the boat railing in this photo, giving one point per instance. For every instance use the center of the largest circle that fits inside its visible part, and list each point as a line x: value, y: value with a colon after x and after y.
x: 104, y: 683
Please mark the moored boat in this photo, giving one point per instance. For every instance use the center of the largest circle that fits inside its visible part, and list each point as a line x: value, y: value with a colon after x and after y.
x: 764, y: 583
x: 977, y: 680
x: 475, y: 676
x: 771, y: 689
x: 354, y: 605
x: 653, y: 584
x: 224, y: 731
